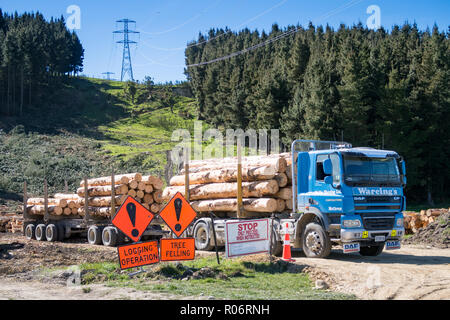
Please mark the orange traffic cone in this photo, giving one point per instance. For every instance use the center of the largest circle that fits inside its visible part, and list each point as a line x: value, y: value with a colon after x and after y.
x: 287, y: 245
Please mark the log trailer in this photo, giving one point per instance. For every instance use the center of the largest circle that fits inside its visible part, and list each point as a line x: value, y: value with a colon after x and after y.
x: 97, y: 230
x: 352, y: 197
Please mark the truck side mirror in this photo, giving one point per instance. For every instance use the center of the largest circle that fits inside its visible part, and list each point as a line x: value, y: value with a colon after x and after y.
x: 327, y: 167
x: 403, y: 165
x: 328, y: 179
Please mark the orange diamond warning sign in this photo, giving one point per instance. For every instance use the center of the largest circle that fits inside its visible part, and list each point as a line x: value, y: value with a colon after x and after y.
x: 178, y: 214
x: 132, y: 219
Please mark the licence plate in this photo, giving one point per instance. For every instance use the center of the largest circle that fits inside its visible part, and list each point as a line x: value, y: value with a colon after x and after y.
x: 380, y: 238
x: 350, y: 247
x: 392, y: 245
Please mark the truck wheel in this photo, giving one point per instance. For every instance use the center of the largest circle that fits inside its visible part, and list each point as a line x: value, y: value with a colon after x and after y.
x: 94, y: 235
x: 202, y: 237
x: 371, y: 251
x: 29, y: 231
x: 109, y: 236
x: 315, y: 241
x: 40, y: 232
x: 51, y: 233
x: 61, y: 232
x: 277, y: 247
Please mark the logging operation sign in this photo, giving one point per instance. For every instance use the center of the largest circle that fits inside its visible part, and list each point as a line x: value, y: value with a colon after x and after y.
x: 132, y: 219
x: 177, y: 249
x: 178, y: 214
x: 138, y: 254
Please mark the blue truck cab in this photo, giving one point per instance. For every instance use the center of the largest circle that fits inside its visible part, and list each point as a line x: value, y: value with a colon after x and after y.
x: 352, y: 197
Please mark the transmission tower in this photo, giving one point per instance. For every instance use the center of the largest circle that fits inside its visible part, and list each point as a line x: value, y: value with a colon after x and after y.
x: 108, y: 75
x: 127, y: 68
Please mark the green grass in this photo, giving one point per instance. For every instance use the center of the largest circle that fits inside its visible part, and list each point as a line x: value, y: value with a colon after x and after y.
x: 244, y: 280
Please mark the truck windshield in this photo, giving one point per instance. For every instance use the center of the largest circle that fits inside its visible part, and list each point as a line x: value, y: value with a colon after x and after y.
x: 366, y: 171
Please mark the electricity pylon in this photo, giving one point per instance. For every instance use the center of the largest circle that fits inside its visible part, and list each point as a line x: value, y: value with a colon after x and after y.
x: 127, y: 68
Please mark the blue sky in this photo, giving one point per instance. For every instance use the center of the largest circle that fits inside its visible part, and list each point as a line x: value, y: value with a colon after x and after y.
x: 166, y: 26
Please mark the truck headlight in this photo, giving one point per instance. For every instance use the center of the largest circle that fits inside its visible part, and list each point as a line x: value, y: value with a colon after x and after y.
x: 351, y: 223
x: 399, y: 222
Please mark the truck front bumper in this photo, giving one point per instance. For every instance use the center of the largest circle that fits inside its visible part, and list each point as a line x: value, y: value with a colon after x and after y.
x: 368, y: 237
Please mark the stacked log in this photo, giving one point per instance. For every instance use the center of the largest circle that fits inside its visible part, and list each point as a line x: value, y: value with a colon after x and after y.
x: 59, y: 204
x: 414, y: 221
x: 146, y: 190
x: 11, y: 222
x: 266, y: 186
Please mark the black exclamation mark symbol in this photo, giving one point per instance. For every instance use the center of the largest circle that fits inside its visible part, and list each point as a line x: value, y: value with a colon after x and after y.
x: 178, y: 204
x: 131, y: 209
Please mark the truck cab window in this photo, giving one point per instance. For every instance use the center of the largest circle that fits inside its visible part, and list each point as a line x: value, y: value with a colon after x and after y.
x: 336, y: 168
x: 320, y: 175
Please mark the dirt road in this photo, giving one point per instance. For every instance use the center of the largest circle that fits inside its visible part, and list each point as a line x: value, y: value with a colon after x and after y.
x: 412, y: 272
x: 409, y: 273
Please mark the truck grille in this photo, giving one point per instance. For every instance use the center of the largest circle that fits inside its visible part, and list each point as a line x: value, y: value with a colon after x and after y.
x: 378, y: 222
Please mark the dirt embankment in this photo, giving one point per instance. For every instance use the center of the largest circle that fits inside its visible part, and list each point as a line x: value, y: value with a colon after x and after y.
x: 436, y: 234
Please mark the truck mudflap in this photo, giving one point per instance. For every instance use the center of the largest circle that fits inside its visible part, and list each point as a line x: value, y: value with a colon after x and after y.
x: 351, y: 247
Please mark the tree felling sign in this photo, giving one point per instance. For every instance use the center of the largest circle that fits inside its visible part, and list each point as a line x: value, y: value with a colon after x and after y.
x: 132, y: 219
x: 177, y: 249
x: 178, y: 214
x: 247, y: 237
x: 138, y: 254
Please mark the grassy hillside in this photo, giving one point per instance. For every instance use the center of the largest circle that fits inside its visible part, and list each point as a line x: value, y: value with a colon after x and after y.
x: 88, y: 126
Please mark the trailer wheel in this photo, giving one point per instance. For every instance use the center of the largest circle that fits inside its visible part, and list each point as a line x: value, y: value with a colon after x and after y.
x: 277, y: 247
x: 315, y: 241
x: 94, y: 235
x: 371, y: 251
x: 202, y: 237
x: 40, y: 232
x: 51, y: 233
x: 109, y: 236
x: 29, y: 231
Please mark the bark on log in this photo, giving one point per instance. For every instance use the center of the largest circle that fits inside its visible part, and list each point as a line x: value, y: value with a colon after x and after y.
x: 276, y: 160
x: 226, y: 175
x: 96, y: 211
x: 99, y: 191
x: 255, y: 189
x: 119, y: 179
x: 66, y: 196
x: 51, y: 202
x: 266, y: 205
x: 278, y: 164
x: 289, y: 204
x: 101, y: 201
x: 40, y: 209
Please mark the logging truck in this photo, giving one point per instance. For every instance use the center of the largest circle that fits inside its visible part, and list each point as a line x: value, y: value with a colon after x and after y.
x: 342, y: 196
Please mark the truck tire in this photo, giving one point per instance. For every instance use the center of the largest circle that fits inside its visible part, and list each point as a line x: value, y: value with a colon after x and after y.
x: 202, y: 237
x: 40, y: 232
x: 61, y: 232
x: 371, y: 251
x: 277, y: 247
x: 51, y: 233
x: 109, y: 236
x: 29, y: 231
x: 315, y: 241
x: 94, y: 235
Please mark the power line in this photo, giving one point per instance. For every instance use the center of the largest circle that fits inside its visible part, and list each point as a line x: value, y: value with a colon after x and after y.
x: 220, y: 35
x: 276, y: 38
